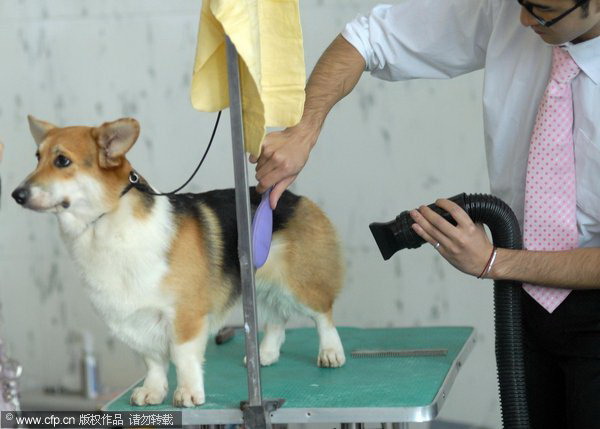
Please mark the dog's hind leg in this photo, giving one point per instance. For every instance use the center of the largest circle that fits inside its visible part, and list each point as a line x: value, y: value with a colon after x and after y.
x: 274, y: 330
x: 273, y: 339
x: 331, y: 351
x: 155, y: 386
x: 187, y: 354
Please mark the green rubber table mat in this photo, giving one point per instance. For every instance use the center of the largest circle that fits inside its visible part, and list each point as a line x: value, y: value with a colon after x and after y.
x: 382, y: 389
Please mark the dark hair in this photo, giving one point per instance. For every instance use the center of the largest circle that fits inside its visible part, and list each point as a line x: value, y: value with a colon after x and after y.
x: 585, y: 7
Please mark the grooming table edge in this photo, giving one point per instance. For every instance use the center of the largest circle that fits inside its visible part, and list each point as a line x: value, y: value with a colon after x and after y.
x: 326, y: 395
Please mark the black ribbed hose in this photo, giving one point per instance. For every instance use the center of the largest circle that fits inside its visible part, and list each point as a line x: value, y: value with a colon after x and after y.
x: 397, y: 234
x: 507, y: 309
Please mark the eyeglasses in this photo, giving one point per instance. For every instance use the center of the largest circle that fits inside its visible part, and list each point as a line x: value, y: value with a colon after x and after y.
x: 529, y: 8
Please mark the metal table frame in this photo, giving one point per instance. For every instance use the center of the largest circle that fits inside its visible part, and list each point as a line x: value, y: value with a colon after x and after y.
x: 256, y: 412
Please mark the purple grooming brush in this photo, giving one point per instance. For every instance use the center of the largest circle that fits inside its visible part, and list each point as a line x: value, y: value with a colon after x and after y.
x: 262, y: 231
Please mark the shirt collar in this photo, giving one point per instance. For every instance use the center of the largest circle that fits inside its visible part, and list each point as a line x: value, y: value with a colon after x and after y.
x: 587, y: 56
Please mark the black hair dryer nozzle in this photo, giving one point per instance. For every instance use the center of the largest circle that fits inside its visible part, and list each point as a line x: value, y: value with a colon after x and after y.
x: 398, y: 234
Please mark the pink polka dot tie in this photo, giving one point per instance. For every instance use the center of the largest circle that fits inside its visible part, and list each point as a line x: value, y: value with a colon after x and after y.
x: 550, y: 197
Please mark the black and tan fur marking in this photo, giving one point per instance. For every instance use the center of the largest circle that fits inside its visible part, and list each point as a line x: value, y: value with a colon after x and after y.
x: 311, y: 259
x: 222, y: 204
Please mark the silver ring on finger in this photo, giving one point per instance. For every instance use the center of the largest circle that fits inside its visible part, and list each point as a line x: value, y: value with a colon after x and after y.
x: 436, y: 245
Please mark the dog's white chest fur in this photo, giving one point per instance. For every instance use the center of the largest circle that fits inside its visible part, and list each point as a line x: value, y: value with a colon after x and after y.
x: 124, y: 260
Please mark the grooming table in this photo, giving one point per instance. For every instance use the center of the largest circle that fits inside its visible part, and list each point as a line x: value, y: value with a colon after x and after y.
x: 364, y: 390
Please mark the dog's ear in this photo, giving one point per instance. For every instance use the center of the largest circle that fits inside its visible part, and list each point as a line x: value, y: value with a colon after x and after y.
x: 114, y: 139
x: 39, y: 128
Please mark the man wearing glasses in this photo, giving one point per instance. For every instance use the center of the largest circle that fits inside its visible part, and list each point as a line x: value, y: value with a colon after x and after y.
x: 542, y: 133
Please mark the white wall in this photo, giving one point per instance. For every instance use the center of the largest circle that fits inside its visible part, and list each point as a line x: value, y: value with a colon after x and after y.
x: 388, y: 147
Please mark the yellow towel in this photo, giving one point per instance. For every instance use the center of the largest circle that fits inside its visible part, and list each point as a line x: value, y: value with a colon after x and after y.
x: 268, y: 37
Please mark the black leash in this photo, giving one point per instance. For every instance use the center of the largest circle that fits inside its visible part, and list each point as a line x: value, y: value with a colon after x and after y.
x: 134, y: 177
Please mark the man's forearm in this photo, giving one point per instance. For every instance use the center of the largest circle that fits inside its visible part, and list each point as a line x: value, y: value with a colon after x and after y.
x: 334, y: 76
x: 574, y: 269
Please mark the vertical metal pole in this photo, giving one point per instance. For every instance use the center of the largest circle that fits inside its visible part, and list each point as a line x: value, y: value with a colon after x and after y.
x: 352, y: 426
x: 242, y: 201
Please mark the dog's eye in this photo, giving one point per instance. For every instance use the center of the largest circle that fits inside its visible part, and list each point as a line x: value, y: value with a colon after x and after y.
x: 62, y: 161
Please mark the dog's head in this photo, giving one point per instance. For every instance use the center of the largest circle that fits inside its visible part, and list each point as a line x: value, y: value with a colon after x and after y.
x: 81, y: 170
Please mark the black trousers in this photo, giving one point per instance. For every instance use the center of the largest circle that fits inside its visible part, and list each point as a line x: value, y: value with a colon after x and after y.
x: 562, y: 362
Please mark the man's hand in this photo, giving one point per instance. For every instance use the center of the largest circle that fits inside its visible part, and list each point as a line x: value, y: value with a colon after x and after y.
x: 284, y: 154
x: 466, y: 245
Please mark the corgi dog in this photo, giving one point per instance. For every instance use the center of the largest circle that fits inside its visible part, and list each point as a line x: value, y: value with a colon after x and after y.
x: 163, y: 271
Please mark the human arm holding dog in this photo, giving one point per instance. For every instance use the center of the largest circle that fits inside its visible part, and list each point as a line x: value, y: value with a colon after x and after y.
x: 467, y: 247
x: 284, y: 153
x: 374, y: 43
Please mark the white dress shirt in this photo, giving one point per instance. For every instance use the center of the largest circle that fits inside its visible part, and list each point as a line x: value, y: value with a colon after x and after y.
x: 446, y: 38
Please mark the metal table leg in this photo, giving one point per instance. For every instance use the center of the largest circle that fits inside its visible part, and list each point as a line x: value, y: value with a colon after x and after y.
x: 242, y: 202
x: 256, y: 411
x: 352, y: 426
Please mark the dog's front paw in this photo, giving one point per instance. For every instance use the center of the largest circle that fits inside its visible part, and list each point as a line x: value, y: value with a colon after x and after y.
x: 145, y: 395
x: 187, y: 397
x: 331, y: 358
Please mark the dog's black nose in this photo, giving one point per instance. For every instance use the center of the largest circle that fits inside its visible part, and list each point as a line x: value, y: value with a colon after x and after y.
x: 21, y: 195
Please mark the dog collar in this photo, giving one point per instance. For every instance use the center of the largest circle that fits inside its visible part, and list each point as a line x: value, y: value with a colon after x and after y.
x: 134, y: 182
